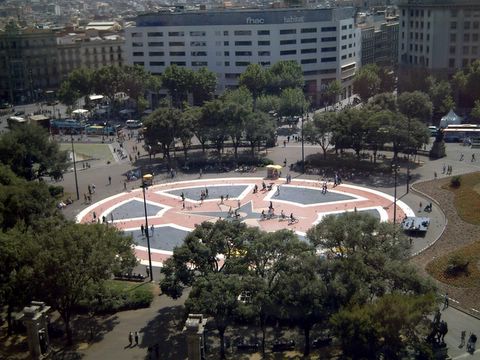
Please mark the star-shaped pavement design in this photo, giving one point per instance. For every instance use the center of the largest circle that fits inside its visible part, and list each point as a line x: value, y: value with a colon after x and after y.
x: 245, y: 211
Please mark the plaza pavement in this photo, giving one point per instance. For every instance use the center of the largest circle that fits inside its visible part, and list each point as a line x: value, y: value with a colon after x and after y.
x: 113, y: 342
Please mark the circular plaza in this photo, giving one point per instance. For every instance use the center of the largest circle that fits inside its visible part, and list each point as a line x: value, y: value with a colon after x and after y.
x: 174, y: 208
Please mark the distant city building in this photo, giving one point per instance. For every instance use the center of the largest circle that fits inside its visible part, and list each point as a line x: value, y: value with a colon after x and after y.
x: 28, y: 63
x: 324, y: 42
x: 380, y: 43
x: 438, y: 36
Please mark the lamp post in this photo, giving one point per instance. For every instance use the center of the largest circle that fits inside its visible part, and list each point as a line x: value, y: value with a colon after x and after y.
x: 408, y: 156
x: 395, y: 172
x: 74, y: 167
x: 144, y: 187
x: 303, y: 150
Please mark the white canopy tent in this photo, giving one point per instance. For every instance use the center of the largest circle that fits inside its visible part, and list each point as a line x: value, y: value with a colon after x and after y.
x: 80, y: 112
x: 450, y: 119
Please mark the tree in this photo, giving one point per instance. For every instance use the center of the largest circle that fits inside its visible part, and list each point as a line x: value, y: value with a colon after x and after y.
x: 367, y: 82
x: 354, y: 132
x: 237, y: 108
x: 333, y: 90
x: 80, y: 82
x: 198, y: 255
x: 178, y: 82
x: 162, y: 129
x: 476, y: 109
x: 383, y: 101
x: 439, y: 92
x: 186, y: 127
x: 67, y: 94
x: 467, y: 81
x: 387, y: 79
x: 108, y: 81
x: 387, y: 328
x: 254, y: 79
x: 216, y: 295
x: 284, y: 75
x: 203, y: 86
x: 136, y: 81
x: 319, y: 131
x: 415, y: 105
x: 268, y: 103
x: 376, y: 136
x: 74, y: 260
x: 292, y: 103
x: 29, y: 152
x: 213, y: 120
x: 259, y: 127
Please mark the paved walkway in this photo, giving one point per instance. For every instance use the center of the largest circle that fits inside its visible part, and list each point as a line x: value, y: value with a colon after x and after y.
x: 151, y: 322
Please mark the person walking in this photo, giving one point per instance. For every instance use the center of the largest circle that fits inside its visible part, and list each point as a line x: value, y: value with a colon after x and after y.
x: 136, y: 337
x: 152, y: 229
x: 142, y: 229
x: 109, y: 180
x: 473, y: 158
x: 130, y: 338
x: 124, y: 185
x: 445, y: 304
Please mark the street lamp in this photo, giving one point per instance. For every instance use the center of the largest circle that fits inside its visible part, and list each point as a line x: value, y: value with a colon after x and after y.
x: 395, y: 172
x: 146, y: 180
x: 74, y: 166
x: 408, y: 156
x: 303, y: 150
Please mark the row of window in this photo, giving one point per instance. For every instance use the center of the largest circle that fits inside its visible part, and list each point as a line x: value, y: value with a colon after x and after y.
x: 467, y: 25
x: 466, y: 37
x: 466, y: 50
x: 239, y: 32
x: 237, y: 53
x: 239, y: 43
x: 417, y: 13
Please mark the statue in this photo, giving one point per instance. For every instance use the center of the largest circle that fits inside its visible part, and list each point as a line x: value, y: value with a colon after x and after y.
x: 438, y: 147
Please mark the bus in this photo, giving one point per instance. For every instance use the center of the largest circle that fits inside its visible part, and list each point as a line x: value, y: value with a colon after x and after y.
x: 460, y: 133
x: 100, y: 130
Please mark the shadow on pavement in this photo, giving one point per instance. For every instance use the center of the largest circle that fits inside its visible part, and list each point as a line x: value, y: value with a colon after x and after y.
x: 163, y: 334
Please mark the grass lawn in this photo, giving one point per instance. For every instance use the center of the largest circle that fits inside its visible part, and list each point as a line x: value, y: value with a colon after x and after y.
x: 468, y: 279
x: 90, y: 151
x: 467, y: 198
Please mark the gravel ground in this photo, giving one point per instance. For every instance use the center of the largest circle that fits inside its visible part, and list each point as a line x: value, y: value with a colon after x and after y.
x: 457, y: 234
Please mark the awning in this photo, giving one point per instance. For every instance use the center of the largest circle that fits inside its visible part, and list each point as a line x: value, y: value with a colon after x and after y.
x: 95, y: 97
x: 80, y: 111
x: 126, y: 111
x: 275, y: 167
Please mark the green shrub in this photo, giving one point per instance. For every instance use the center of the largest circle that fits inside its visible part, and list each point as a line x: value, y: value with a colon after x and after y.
x: 55, y: 191
x: 456, y: 181
x: 457, y: 265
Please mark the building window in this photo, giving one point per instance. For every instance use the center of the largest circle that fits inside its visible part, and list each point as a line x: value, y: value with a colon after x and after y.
x: 451, y: 63
x: 225, y: 33
x: 136, y: 35
x: 154, y: 34
x: 475, y: 25
x: 138, y: 53
x: 178, y: 63
x: 242, y: 63
x: 176, y: 43
x: 176, y: 33
x: 288, y: 52
x: 452, y: 50
x: 198, y: 53
x: 329, y: 59
x: 466, y: 37
x: 309, y: 51
x: 177, y: 53
x: 157, y: 63
x: 198, y: 33
x: 226, y: 53
x: 227, y: 63
x: 199, y: 63
x: 226, y: 43
x: 264, y: 53
x: 198, y: 43
x: 453, y: 25
x: 243, y: 53
x: 263, y: 32
x: 308, y: 41
x: 243, y: 43
x: 134, y: 44
x: 344, y: 37
x: 466, y: 25
x: 475, y: 37
x: 465, y: 50
x: 155, y: 43
x: 308, y: 61
x: 156, y: 53
x: 329, y: 49
x: 327, y: 39
x: 474, y: 50
x: 288, y: 42
x: 242, y: 32
x: 309, y: 30
x: 329, y: 28
x: 264, y: 43
x: 344, y: 47
x: 288, y: 31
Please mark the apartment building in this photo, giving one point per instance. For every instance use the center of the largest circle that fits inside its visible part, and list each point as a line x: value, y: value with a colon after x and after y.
x: 380, y: 44
x: 438, y: 36
x: 323, y: 41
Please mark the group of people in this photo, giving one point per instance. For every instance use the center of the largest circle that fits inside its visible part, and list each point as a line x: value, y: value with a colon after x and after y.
x: 447, y: 169
x: 144, y: 230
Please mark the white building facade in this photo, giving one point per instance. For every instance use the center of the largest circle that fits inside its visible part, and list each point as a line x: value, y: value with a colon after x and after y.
x: 324, y: 42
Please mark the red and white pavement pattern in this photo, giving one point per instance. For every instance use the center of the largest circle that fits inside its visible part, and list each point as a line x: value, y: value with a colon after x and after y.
x: 174, y: 215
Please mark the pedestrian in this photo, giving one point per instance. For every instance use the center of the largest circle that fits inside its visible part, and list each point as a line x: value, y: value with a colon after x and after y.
x: 109, y: 180
x: 221, y: 199
x: 104, y: 219
x: 200, y: 173
x: 444, y: 168
x: 285, y: 162
x: 435, y: 175
x: 473, y: 158
x: 130, y: 338
x: 85, y: 197
x: 136, y: 337
x: 182, y: 195
x: 124, y: 185
x: 284, y: 143
x: 152, y: 229
x: 111, y: 216
x: 461, y: 157
x: 142, y: 229
x: 89, y: 190
x: 278, y: 190
x: 93, y: 188
x: 445, y: 304
x: 206, y: 192
x: 147, y: 270
x: 420, y: 207
x: 94, y: 215
x: 239, y: 203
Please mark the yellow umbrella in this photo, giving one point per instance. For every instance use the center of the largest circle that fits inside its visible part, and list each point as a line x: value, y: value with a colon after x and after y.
x: 276, y: 167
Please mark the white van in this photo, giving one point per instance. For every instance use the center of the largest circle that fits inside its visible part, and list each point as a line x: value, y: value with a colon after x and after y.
x: 133, y: 124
